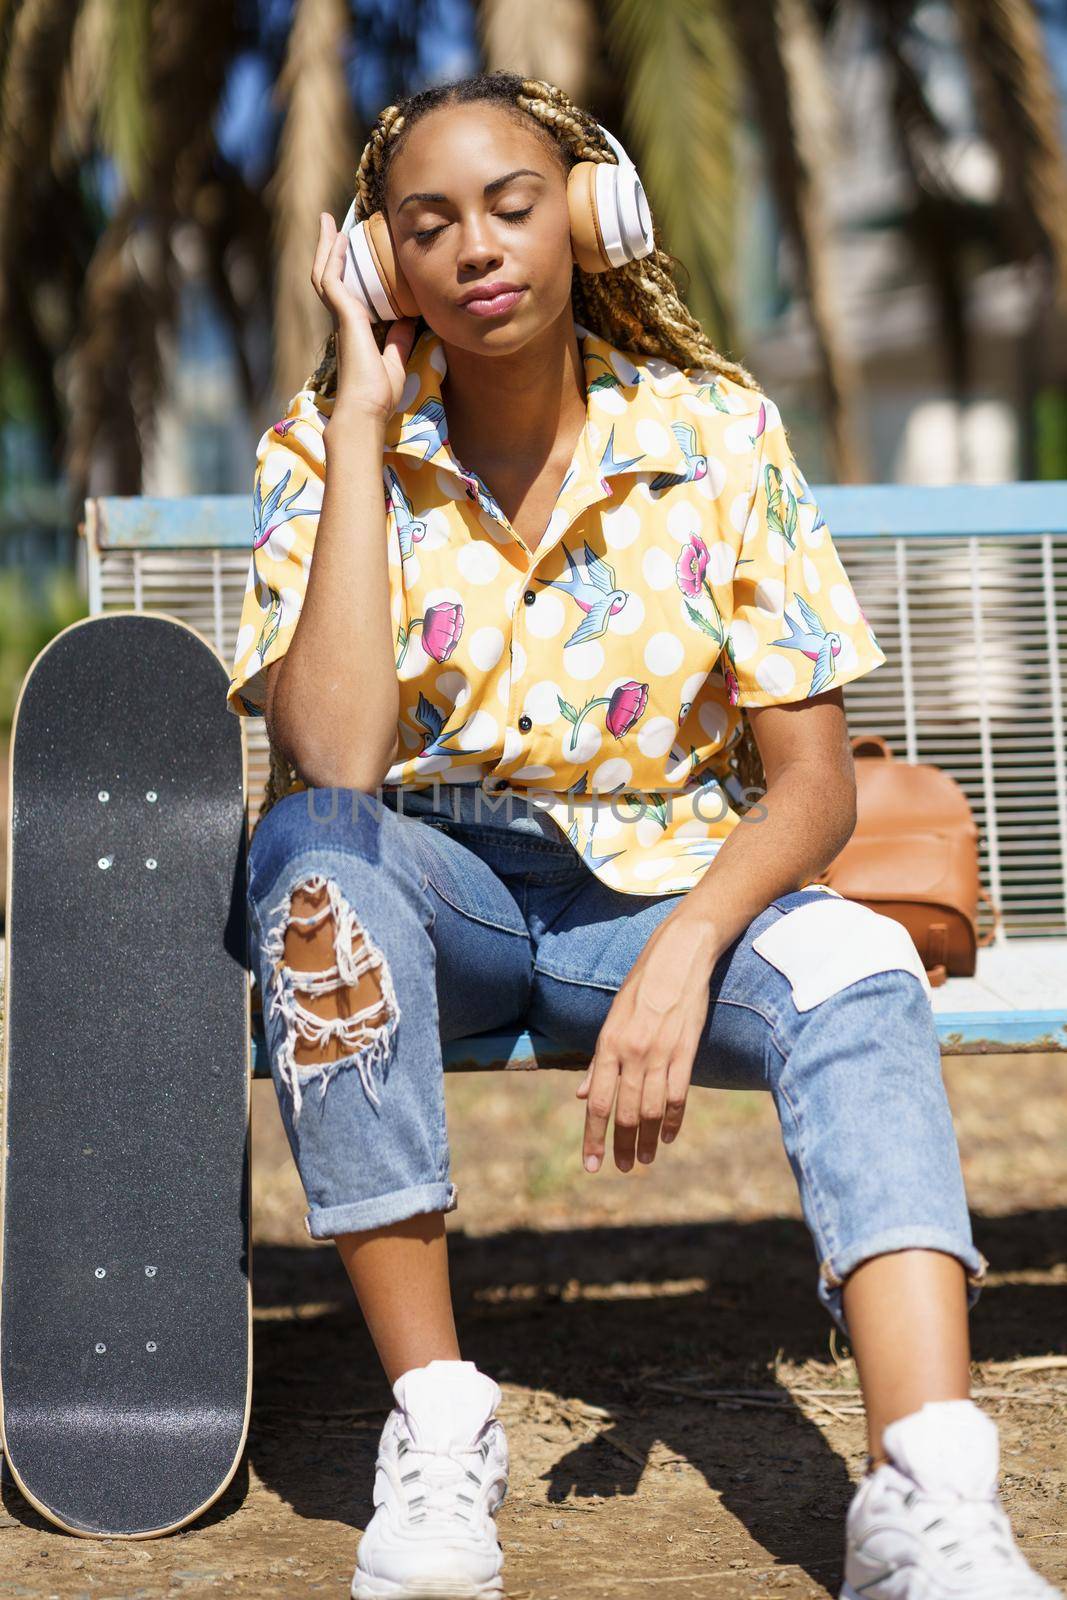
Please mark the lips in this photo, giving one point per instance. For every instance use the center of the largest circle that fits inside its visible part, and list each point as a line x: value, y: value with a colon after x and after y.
x: 491, y: 302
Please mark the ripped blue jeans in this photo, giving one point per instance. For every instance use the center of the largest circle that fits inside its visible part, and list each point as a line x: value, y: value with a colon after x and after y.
x: 469, y: 912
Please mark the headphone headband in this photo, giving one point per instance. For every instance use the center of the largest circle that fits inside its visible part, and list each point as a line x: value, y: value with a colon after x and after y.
x: 623, y: 223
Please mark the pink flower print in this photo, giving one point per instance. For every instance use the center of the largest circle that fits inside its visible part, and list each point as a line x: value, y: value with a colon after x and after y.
x: 625, y: 705
x: 442, y: 626
x: 733, y: 688
x: 690, y: 572
x: 691, y: 566
x: 282, y: 428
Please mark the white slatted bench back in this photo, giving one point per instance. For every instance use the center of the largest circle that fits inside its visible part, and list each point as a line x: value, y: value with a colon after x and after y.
x: 965, y: 586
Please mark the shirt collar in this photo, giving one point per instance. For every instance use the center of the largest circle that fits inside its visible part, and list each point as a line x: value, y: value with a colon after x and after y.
x: 623, y: 440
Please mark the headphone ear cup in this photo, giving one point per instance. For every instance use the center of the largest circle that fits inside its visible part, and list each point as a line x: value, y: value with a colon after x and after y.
x: 587, y: 244
x: 610, y: 221
x: 372, y: 273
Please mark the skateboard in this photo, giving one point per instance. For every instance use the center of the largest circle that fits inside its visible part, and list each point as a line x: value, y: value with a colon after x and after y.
x: 125, y: 1261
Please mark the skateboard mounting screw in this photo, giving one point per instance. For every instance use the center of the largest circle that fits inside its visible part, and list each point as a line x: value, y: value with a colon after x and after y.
x: 100, y: 1349
x: 101, y: 1272
x: 105, y: 862
x: 151, y: 1345
x: 151, y: 796
x: 103, y: 795
x: 151, y: 863
x: 149, y: 1272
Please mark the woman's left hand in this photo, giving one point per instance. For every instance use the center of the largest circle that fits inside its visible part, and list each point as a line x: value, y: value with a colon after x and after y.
x: 647, y: 1043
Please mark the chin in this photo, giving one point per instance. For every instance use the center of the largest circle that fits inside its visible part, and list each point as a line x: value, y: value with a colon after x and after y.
x: 500, y: 335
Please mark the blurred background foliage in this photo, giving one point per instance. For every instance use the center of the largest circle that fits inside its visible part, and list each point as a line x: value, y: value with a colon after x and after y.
x: 145, y: 144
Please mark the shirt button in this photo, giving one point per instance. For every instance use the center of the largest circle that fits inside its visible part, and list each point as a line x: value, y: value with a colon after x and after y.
x: 529, y: 597
x: 525, y: 723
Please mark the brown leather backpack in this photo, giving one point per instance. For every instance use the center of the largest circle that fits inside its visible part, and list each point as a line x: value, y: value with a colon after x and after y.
x: 914, y: 856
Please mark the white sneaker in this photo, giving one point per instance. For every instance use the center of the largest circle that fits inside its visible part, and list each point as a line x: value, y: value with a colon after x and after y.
x: 441, y: 1474
x: 929, y: 1525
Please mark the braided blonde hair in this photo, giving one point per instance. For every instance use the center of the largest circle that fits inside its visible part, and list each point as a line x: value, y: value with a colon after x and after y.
x: 635, y: 307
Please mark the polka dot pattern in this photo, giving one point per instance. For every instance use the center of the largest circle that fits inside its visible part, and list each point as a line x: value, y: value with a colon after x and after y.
x: 684, y: 573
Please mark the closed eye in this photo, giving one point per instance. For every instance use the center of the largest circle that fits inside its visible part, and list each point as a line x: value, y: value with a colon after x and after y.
x: 423, y: 236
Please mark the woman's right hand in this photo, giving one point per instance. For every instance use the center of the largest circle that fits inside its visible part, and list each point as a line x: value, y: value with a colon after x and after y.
x: 369, y: 380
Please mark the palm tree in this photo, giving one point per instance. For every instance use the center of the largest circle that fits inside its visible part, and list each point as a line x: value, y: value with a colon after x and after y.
x: 89, y: 284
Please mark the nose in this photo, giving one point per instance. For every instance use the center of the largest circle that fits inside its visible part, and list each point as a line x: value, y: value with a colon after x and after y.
x: 478, y: 248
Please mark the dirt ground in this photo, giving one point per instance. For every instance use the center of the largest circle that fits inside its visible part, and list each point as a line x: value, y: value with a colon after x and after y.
x: 614, y: 1309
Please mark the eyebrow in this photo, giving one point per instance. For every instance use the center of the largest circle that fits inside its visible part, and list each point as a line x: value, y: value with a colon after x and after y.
x: 490, y: 188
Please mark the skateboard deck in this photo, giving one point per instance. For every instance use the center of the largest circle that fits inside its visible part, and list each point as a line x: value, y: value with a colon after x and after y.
x: 125, y: 1266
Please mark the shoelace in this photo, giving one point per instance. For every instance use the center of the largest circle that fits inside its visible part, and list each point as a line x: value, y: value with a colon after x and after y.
x: 439, y: 1482
x: 979, y: 1540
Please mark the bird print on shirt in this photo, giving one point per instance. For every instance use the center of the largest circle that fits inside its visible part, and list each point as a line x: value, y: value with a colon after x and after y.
x: 609, y: 465
x: 427, y: 426
x: 586, y: 853
x: 806, y: 498
x: 814, y: 642
x: 696, y: 462
x: 265, y: 513
x: 676, y: 597
x: 479, y: 491
x: 432, y: 721
x: 409, y: 528
x: 595, y: 594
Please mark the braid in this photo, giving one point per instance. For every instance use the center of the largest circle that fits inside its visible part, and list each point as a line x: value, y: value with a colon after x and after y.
x: 634, y: 307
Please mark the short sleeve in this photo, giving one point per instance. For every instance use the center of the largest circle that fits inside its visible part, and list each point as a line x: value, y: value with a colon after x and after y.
x: 796, y: 626
x: 287, y: 492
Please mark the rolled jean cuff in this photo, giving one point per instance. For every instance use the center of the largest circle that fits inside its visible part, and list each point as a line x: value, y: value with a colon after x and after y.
x: 835, y: 1268
x: 323, y: 1222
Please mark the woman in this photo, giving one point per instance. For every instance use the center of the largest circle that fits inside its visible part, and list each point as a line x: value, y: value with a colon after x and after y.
x: 594, y: 548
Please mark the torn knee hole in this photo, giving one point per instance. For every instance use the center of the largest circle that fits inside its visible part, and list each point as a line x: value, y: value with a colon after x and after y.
x: 320, y: 948
x: 310, y: 952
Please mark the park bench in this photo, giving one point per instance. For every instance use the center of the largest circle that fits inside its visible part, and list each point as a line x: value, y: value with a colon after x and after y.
x: 966, y: 589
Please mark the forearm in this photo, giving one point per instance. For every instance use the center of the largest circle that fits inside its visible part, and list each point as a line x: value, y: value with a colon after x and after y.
x: 337, y: 701
x: 793, y: 832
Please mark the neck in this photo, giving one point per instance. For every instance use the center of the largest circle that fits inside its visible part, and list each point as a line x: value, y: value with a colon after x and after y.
x: 519, y: 409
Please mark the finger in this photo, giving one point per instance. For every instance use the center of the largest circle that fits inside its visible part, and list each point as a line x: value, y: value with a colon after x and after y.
x: 339, y: 296
x: 679, y: 1075
x: 322, y: 250
x: 653, y: 1102
x: 333, y: 269
x: 628, y: 1112
x: 604, y: 1074
x: 397, y: 348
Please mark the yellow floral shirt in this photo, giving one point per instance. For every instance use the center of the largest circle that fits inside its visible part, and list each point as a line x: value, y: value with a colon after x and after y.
x: 685, y: 572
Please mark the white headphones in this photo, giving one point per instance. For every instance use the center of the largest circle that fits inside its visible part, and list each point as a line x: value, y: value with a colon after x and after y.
x: 609, y: 223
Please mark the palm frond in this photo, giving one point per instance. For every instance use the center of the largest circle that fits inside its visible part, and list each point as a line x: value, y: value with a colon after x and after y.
x: 235, y: 230
x: 125, y: 122
x: 85, y: 76
x: 678, y: 73
x: 555, y: 40
x: 1019, y: 105
x: 315, y: 172
x: 131, y: 297
x: 29, y: 94
x: 780, y: 46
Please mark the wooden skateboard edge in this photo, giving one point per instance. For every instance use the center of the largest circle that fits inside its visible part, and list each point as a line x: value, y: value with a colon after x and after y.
x: 24, y: 1489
